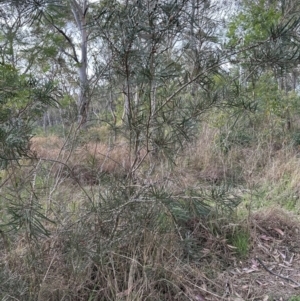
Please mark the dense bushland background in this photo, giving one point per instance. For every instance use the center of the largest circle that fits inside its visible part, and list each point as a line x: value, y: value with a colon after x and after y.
x: 149, y: 150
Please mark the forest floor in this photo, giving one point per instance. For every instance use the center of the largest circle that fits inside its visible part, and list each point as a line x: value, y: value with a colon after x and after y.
x: 271, y: 269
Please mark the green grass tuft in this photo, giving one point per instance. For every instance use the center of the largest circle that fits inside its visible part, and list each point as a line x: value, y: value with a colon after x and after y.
x: 240, y: 239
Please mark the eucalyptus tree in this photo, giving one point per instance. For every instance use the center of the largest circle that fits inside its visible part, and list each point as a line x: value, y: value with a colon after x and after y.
x: 61, y: 33
x: 68, y: 24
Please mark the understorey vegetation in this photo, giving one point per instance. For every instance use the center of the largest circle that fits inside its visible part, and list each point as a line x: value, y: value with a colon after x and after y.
x: 149, y: 150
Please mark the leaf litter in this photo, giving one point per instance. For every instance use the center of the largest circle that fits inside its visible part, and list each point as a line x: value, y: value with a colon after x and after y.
x: 271, y: 271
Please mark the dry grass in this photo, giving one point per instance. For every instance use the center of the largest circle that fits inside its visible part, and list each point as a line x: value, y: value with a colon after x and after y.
x: 112, y: 159
x: 80, y: 262
x: 286, y: 163
x: 47, y: 147
x: 114, y: 240
x: 84, y: 162
x: 205, y: 162
x: 90, y: 158
x: 202, y: 161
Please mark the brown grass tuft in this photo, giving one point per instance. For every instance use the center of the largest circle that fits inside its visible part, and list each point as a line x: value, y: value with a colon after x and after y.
x: 46, y: 147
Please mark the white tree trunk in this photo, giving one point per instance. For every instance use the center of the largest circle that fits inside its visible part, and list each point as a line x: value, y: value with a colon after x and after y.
x: 79, y: 11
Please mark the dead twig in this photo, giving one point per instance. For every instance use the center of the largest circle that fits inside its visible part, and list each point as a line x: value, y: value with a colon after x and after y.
x: 271, y: 272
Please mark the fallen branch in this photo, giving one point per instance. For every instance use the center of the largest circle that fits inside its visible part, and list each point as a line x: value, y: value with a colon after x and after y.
x: 271, y: 272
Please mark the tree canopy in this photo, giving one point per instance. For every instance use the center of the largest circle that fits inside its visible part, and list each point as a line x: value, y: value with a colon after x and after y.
x: 152, y: 66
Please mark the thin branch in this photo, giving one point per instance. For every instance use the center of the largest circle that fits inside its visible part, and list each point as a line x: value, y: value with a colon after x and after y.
x: 67, y: 38
x: 207, y: 70
x: 277, y: 275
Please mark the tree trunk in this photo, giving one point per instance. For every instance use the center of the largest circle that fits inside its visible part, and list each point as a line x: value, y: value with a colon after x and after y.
x: 79, y: 13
